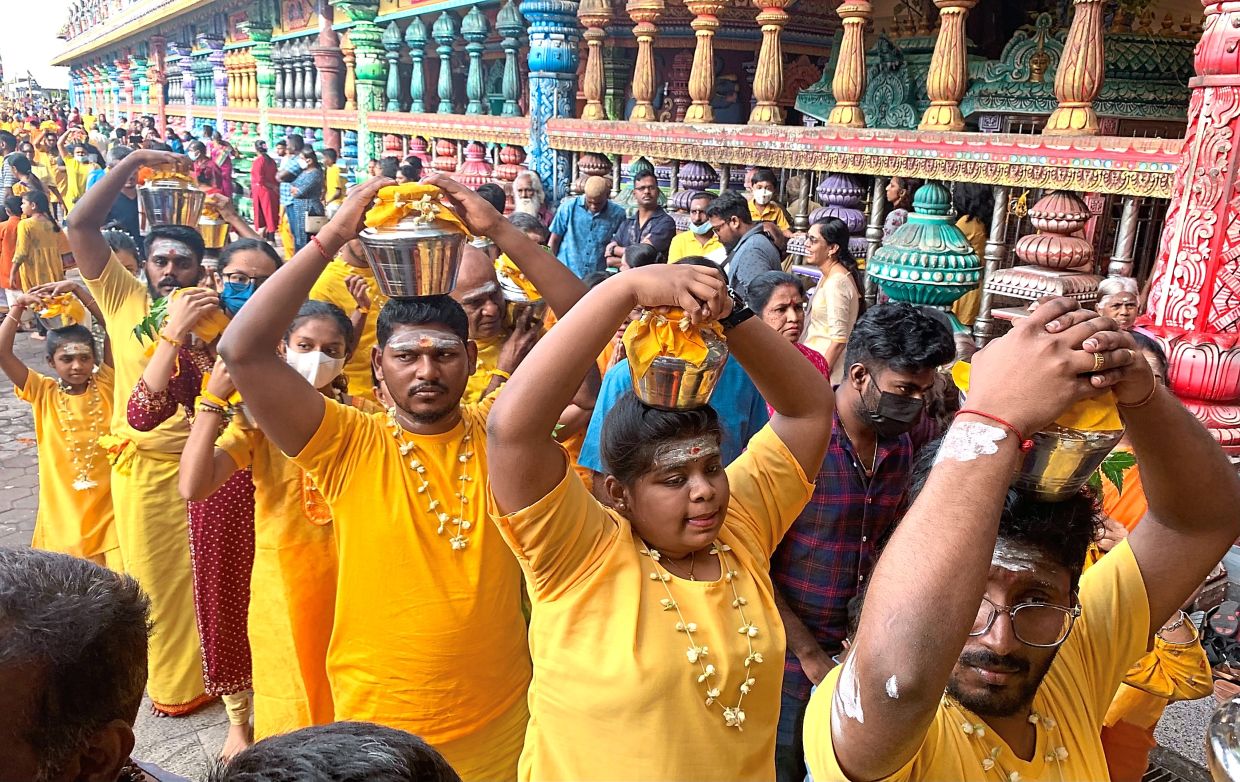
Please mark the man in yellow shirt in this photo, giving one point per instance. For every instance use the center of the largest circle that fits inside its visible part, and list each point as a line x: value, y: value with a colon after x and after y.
x: 762, y: 204
x: 984, y: 600
x: 700, y: 239
x: 150, y: 515
x: 350, y: 284
x: 428, y: 634
x: 333, y: 182
x: 77, y: 165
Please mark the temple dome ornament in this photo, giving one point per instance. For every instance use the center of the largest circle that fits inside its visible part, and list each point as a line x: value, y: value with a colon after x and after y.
x: 928, y: 260
x: 840, y: 195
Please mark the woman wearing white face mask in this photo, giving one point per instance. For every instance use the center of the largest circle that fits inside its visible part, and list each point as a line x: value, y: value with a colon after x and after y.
x: 293, y: 586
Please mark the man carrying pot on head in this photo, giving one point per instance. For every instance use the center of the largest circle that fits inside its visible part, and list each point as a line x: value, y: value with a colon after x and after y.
x: 150, y: 514
x: 982, y: 652
x: 428, y: 634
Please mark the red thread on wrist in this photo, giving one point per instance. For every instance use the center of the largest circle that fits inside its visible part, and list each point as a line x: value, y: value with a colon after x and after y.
x: 319, y: 246
x: 1026, y: 444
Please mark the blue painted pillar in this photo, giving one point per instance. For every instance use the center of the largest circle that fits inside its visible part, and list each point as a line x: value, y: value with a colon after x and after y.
x: 554, y: 36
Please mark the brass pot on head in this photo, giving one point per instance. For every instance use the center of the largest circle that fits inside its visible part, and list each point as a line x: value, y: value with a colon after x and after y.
x: 672, y: 383
x: 171, y: 202
x: 1062, y: 460
x: 415, y: 256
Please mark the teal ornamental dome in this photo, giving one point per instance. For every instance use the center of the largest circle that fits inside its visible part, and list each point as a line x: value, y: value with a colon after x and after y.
x: 928, y: 260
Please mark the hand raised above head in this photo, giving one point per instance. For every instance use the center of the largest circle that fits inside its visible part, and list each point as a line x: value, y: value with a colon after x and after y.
x: 350, y: 218
x: 698, y: 290
x: 1045, y: 364
x: 474, y: 210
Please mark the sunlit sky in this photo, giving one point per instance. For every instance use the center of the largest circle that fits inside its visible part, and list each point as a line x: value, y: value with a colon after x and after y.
x: 28, y: 41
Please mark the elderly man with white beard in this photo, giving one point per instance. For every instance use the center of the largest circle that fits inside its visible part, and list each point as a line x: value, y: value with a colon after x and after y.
x: 529, y: 197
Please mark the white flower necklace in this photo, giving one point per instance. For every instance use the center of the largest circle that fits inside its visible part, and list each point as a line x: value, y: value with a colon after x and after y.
x: 977, y: 730
x: 458, y: 524
x: 733, y: 716
x: 82, y: 452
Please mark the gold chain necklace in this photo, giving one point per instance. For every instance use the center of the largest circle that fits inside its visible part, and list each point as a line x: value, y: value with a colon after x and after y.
x: 82, y: 453
x: 458, y: 524
x: 733, y: 716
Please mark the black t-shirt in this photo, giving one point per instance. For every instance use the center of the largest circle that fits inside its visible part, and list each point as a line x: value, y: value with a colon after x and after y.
x: 125, y: 213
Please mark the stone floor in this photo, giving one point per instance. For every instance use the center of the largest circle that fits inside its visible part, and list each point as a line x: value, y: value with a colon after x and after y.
x: 186, y: 746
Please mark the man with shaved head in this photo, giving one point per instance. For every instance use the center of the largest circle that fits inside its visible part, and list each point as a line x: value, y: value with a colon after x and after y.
x: 583, y: 226
x: 500, y: 349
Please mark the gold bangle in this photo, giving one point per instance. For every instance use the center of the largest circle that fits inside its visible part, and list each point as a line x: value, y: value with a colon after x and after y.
x: 176, y: 343
x: 1148, y: 398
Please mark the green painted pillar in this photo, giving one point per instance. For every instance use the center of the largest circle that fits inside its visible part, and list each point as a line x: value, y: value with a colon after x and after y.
x: 511, y: 25
x: 444, y: 33
x: 392, y: 40
x: 415, y: 39
x: 370, y: 71
x: 475, y: 30
x: 258, y: 28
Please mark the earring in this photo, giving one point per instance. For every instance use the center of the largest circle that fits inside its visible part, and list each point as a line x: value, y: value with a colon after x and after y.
x: 621, y: 506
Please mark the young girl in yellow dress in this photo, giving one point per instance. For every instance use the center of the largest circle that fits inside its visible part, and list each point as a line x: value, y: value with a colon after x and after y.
x: 71, y: 406
x: 293, y: 588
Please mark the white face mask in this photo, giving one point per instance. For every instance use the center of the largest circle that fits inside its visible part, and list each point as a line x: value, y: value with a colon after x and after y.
x: 762, y: 197
x: 316, y: 367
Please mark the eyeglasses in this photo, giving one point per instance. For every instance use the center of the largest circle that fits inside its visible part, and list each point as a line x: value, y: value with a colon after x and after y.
x: 238, y: 278
x: 1034, y: 624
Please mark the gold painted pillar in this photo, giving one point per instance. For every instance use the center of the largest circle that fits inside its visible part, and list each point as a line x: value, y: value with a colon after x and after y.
x: 848, y: 83
x: 595, y: 15
x: 948, y: 76
x: 702, y: 74
x: 1080, y: 74
x: 768, y: 80
x: 645, y: 15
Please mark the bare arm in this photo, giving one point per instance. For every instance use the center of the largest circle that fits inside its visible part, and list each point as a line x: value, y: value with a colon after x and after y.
x: 834, y: 354
x: 814, y: 661
x: 557, y: 284
x: 205, y: 468
x: 525, y: 462
x: 228, y: 214
x: 12, y: 366
x: 271, y: 388
x: 91, y: 210
x: 554, y: 243
x: 926, y: 588
x: 1192, y: 489
x: 184, y: 312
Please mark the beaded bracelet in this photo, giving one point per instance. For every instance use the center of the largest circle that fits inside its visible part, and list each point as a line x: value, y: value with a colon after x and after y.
x: 207, y: 407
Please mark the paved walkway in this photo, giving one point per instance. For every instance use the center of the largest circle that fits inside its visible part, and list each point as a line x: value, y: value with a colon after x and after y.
x: 188, y: 745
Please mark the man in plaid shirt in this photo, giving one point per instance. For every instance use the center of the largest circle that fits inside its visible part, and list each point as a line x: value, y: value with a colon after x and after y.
x: 860, y: 493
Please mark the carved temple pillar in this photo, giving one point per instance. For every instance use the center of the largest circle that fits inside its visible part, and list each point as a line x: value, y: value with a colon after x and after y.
x: 702, y: 74
x: 595, y: 15
x: 1125, y: 239
x: 112, y: 84
x: 1194, y: 301
x: 415, y: 39
x: 511, y: 25
x: 219, y: 78
x: 141, y: 78
x: 189, y: 80
x: 392, y: 41
x: 370, y: 75
x: 848, y: 82
x: 124, y: 82
x: 330, y: 66
x: 1079, y: 77
x: 475, y: 29
x: 553, y: 57
x: 444, y: 31
x: 349, y: 55
x: 645, y: 15
x: 259, y: 30
x: 994, y: 254
x: 768, y: 79
x: 948, y: 76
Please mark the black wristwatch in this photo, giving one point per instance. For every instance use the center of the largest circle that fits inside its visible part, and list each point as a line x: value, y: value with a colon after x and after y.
x: 740, y: 312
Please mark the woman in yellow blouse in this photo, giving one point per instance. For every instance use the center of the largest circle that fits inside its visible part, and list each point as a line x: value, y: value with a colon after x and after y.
x: 293, y: 589
x: 71, y: 407
x: 654, y: 633
x: 838, y: 300
x: 41, y: 246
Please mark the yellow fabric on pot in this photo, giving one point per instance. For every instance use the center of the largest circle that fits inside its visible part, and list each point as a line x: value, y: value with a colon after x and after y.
x: 669, y: 333
x: 505, y: 267
x: 1089, y: 415
x: 65, y: 306
x: 395, y: 202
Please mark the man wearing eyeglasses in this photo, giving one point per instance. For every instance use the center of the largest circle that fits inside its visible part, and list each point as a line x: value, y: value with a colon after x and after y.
x: 982, y: 653
x: 651, y: 224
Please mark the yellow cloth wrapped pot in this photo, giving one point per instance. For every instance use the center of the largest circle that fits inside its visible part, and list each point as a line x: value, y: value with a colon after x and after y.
x: 66, y: 307
x: 668, y: 333
x: 505, y: 268
x: 1088, y: 415
x: 396, y: 202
